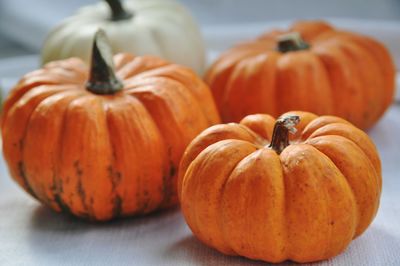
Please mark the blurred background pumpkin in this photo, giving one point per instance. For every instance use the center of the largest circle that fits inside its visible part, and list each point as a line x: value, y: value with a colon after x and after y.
x: 153, y: 27
x: 311, y: 66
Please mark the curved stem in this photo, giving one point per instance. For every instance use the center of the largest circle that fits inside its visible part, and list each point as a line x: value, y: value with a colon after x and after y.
x: 291, y: 42
x: 117, y: 10
x: 102, y: 78
x: 280, y: 135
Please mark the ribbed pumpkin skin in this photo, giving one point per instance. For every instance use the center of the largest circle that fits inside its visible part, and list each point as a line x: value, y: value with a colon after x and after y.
x: 305, y: 204
x: 104, y: 156
x: 343, y: 74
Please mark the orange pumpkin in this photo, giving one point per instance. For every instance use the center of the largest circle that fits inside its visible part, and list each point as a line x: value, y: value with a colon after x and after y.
x: 100, y: 145
x: 311, y: 67
x: 249, y: 189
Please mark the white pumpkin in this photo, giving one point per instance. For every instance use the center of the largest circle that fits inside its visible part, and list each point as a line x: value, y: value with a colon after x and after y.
x: 143, y: 27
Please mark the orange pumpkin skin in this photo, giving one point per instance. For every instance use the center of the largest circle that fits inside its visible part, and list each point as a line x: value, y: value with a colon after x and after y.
x: 305, y: 204
x: 104, y: 156
x: 341, y: 73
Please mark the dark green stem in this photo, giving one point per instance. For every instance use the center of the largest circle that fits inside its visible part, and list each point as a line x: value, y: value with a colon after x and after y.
x: 280, y: 135
x: 117, y: 10
x: 291, y: 42
x: 102, y: 78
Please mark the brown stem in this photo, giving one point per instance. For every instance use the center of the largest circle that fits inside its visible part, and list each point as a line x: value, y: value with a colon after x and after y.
x: 280, y: 135
x: 117, y: 10
x: 291, y: 42
x: 102, y: 78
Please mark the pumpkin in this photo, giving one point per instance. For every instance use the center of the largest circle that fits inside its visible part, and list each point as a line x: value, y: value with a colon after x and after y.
x: 252, y: 190
x: 152, y: 27
x: 99, y: 144
x: 311, y: 67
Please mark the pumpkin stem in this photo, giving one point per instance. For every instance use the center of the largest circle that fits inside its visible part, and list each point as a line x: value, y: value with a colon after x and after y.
x: 280, y: 135
x: 102, y: 79
x: 291, y: 42
x: 117, y: 10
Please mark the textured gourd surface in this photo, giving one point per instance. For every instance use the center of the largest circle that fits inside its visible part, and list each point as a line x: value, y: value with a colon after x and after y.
x: 104, y: 156
x: 305, y: 204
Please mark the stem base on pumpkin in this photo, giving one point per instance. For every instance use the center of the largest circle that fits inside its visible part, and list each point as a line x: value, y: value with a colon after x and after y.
x: 102, y: 78
x: 118, y: 12
x: 291, y: 42
x: 280, y: 135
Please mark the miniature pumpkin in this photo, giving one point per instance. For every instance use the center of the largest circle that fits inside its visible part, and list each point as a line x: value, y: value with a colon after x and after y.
x: 152, y: 27
x: 311, y: 67
x: 249, y: 189
x: 100, y: 145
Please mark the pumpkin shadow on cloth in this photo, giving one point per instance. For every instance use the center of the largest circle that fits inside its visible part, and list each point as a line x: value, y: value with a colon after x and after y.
x: 374, y: 247
x: 55, y: 237
x: 45, y: 219
x: 199, y: 254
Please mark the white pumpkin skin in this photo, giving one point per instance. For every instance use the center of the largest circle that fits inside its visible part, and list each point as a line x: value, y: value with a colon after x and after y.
x: 158, y: 27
